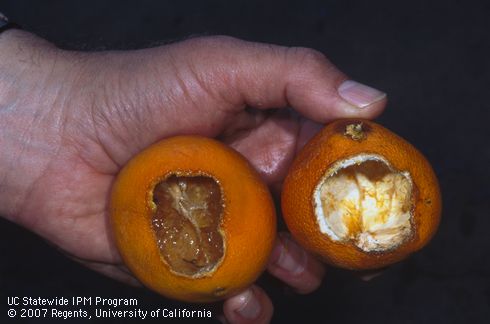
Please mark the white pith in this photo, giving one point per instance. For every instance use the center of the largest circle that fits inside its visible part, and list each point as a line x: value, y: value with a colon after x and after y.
x: 379, y: 206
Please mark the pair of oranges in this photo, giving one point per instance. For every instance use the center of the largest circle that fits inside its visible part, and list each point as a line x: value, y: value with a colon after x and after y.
x: 193, y: 220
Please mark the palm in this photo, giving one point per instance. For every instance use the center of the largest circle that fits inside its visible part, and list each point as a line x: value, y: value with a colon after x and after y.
x: 71, y: 200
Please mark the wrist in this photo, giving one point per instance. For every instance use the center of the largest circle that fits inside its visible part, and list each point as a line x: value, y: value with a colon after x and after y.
x: 26, y: 62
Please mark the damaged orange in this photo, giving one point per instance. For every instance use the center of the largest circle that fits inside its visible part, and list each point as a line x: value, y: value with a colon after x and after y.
x: 360, y: 197
x: 192, y: 219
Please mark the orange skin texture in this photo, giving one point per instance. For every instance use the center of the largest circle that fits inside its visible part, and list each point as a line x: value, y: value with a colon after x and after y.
x: 248, y: 223
x: 311, y: 164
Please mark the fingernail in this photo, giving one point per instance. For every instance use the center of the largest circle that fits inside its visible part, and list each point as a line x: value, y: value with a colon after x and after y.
x: 358, y: 94
x: 250, y: 308
x: 288, y: 255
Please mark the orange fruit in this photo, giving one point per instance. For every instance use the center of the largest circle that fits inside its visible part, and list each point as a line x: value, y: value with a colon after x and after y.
x: 192, y: 219
x: 360, y: 197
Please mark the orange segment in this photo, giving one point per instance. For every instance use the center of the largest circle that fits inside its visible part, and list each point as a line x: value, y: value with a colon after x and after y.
x: 187, y: 224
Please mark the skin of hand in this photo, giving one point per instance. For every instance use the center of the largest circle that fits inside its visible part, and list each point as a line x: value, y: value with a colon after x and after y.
x: 70, y: 120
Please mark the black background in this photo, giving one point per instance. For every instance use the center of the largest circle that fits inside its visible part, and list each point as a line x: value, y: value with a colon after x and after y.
x: 431, y: 57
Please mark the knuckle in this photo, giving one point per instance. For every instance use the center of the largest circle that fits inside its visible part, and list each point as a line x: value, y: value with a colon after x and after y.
x: 308, y: 57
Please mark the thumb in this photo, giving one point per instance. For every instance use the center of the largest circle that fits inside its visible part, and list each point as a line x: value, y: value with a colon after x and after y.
x: 203, y: 85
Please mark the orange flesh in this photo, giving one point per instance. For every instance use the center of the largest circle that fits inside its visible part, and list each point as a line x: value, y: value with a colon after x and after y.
x: 367, y: 203
x: 186, y: 223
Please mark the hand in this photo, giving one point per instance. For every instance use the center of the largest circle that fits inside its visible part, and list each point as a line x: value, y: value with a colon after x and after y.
x: 69, y: 121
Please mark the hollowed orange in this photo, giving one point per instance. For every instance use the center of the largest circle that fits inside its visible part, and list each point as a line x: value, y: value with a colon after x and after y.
x: 361, y: 197
x: 192, y: 219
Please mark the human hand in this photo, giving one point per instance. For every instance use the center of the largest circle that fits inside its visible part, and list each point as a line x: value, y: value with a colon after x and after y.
x: 69, y: 121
